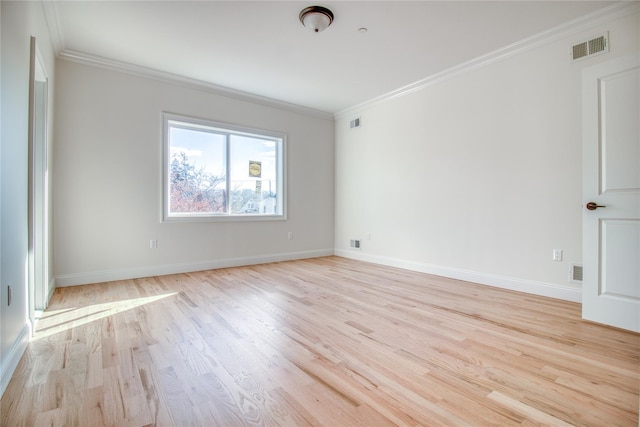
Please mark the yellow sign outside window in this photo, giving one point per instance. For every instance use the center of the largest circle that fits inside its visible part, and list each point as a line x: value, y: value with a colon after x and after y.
x: 255, y: 169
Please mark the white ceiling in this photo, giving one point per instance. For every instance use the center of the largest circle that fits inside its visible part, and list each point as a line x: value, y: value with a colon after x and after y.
x: 260, y: 47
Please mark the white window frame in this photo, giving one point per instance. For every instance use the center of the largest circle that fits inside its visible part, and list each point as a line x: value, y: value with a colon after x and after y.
x: 229, y: 129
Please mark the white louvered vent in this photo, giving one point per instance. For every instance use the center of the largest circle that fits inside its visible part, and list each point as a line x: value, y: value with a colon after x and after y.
x: 354, y: 244
x: 355, y: 123
x: 576, y: 273
x: 588, y: 48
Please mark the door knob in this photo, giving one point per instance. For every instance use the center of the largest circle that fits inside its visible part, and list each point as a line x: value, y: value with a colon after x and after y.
x: 592, y: 206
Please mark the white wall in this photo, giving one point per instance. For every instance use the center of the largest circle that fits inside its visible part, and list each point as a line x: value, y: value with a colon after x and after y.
x: 108, y: 180
x: 478, y: 176
x: 20, y: 21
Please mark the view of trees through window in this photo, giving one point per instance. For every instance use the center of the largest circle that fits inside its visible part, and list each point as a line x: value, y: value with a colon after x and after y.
x: 214, y: 171
x: 193, y: 189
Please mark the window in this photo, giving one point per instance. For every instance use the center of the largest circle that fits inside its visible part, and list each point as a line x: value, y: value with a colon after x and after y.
x: 219, y: 171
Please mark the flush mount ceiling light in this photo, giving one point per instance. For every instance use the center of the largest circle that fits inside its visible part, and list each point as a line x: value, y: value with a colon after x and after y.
x: 316, y: 18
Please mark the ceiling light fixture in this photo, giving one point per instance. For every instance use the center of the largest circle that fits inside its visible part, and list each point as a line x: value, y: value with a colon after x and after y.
x: 316, y: 18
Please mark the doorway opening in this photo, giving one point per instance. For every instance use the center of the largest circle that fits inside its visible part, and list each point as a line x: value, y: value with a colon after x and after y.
x: 38, y: 287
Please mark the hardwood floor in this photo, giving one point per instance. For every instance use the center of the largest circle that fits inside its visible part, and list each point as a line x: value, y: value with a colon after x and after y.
x: 320, y: 342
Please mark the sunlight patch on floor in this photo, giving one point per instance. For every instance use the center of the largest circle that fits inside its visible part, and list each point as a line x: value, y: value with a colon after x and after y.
x: 56, y: 321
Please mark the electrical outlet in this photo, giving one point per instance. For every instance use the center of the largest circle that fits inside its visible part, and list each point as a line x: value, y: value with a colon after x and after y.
x: 557, y: 255
x: 290, y: 235
x: 153, y: 244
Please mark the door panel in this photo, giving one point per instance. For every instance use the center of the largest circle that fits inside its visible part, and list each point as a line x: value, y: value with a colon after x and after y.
x: 620, y: 148
x: 611, y: 167
x: 619, y: 258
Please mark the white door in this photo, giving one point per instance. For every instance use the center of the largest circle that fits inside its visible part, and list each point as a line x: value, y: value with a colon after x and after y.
x: 611, y: 193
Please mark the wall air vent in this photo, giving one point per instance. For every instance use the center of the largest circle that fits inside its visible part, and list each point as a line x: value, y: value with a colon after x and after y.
x: 354, y: 244
x: 355, y: 123
x: 580, y: 50
x: 576, y: 273
x: 592, y: 47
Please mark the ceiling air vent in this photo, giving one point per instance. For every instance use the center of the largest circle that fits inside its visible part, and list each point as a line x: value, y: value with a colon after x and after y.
x: 592, y: 47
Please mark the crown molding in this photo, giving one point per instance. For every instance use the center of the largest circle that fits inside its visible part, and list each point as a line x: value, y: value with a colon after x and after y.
x: 615, y: 11
x: 568, y: 29
x: 53, y: 22
x: 187, y: 82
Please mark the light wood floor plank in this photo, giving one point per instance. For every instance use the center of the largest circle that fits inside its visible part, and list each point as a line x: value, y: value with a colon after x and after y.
x: 319, y: 342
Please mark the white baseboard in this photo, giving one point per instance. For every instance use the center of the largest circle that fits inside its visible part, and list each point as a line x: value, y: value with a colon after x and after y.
x: 567, y: 293
x: 13, y: 356
x: 161, y: 270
